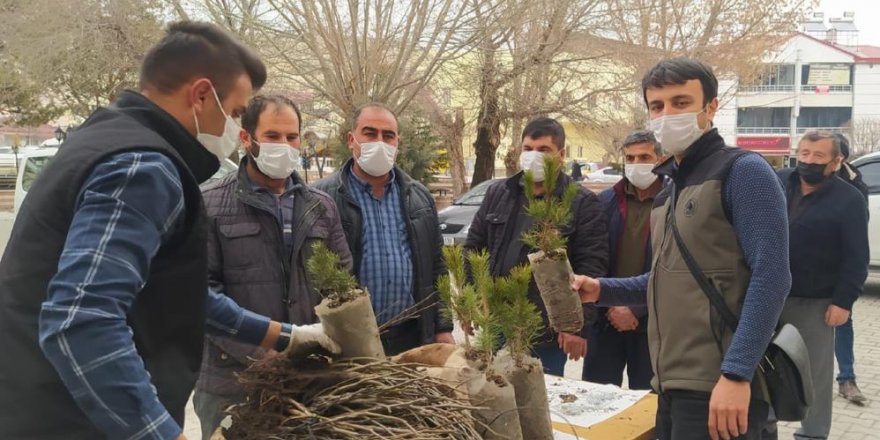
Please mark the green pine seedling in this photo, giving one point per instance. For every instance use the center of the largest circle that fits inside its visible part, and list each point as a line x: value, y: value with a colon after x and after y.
x: 459, y: 298
x: 549, y: 213
x: 330, y: 280
x: 519, y: 320
x: 486, y: 341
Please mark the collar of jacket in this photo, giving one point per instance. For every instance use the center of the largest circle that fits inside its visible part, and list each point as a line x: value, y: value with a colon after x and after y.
x: 200, y: 161
x: 246, y: 191
x: 709, y: 143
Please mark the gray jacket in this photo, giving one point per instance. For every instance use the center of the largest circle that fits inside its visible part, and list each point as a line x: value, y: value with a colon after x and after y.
x: 246, y: 261
x: 423, y: 229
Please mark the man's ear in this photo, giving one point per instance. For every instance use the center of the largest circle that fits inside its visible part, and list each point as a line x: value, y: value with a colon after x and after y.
x: 199, y: 91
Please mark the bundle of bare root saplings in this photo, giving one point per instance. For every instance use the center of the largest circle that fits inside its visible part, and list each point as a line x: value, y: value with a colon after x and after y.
x: 520, y: 323
x: 470, y: 369
x: 356, y: 399
x: 306, y: 395
x: 550, y: 265
x: 345, y: 310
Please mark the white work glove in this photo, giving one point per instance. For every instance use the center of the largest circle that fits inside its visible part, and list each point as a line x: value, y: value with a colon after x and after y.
x: 310, y: 339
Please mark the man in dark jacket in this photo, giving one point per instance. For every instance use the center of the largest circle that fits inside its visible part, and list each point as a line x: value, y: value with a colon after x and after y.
x: 262, y: 222
x: 501, y: 220
x: 828, y: 226
x: 619, y: 338
x: 391, y: 226
x: 104, y: 296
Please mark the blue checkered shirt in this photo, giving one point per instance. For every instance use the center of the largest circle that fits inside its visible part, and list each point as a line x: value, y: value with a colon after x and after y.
x: 386, y: 266
x: 127, y: 208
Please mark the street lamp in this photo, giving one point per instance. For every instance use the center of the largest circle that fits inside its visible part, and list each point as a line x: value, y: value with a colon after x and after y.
x: 59, y: 134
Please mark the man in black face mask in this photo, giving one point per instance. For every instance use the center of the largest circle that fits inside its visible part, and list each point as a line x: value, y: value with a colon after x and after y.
x: 828, y: 247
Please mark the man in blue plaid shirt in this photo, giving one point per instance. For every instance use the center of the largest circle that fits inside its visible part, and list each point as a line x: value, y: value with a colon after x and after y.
x: 391, y: 225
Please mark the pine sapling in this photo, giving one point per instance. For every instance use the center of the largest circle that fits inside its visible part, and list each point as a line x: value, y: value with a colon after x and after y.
x: 551, y: 213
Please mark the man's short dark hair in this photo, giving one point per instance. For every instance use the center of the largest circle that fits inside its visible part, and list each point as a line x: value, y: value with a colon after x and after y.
x: 678, y: 71
x: 540, y: 127
x: 642, y: 137
x: 250, y: 119
x: 844, y: 145
x: 821, y: 135
x: 193, y: 49
x: 357, y: 113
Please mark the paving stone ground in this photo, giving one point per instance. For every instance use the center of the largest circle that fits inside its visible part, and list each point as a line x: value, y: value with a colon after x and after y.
x: 850, y: 422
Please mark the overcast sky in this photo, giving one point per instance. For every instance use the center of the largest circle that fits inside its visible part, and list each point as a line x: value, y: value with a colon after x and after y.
x: 867, y: 16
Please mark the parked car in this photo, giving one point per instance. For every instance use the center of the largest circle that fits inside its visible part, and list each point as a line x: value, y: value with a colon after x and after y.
x: 869, y: 166
x: 604, y: 175
x: 456, y: 219
x: 33, y: 161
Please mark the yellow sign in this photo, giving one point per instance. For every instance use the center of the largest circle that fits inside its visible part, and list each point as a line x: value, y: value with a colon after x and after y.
x: 828, y: 75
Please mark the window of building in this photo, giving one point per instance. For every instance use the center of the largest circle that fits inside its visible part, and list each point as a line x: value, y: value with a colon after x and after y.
x: 778, y: 75
x: 763, y: 117
x: 824, y: 117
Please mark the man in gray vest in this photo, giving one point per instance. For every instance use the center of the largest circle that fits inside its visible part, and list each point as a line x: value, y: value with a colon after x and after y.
x: 729, y: 210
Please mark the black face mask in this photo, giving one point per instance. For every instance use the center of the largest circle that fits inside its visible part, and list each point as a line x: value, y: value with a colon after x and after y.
x: 812, y: 173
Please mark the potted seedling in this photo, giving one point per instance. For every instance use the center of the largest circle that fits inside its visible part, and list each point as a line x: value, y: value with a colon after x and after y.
x: 345, y: 310
x: 470, y: 369
x: 520, y: 324
x: 550, y: 265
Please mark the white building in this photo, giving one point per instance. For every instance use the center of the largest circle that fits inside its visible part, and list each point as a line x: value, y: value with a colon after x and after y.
x: 821, y: 78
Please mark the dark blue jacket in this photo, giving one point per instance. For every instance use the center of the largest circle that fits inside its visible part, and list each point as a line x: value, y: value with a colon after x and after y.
x: 828, y: 241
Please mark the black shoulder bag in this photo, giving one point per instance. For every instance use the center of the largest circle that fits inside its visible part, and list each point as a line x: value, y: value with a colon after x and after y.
x: 786, y: 363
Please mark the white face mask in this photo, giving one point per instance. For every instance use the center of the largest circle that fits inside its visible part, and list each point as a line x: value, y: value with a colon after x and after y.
x: 640, y: 174
x: 377, y: 158
x: 221, y: 146
x: 278, y: 161
x: 533, y: 161
x: 677, y: 132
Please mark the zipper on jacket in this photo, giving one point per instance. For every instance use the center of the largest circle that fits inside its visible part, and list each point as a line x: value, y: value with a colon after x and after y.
x: 285, y: 297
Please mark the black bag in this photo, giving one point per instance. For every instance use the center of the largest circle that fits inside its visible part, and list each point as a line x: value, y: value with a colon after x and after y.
x: 786, y: 363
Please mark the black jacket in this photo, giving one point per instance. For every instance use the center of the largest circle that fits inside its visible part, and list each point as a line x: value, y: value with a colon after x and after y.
x: 828, y: 241
x: 167, y: 318
x: 426, y: 242
x: 496, y: 221
x: 247, y: 261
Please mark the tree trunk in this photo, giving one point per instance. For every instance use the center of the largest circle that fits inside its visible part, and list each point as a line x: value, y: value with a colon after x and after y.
x: 488, y: 120
x: 456, y: 155
x: 511, y: 159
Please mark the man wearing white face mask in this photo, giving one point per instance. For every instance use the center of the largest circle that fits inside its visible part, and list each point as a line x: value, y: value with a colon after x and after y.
x: 725, y: 208
x: 619, y: 337
x: 391, y: 225
x: 104, y: 295
x: 499, y: 223
x: 263, y: 222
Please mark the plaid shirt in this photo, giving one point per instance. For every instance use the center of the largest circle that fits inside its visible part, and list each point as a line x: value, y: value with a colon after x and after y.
x: 127, y: 208
x: 386, y: 267
x: 282, y: 205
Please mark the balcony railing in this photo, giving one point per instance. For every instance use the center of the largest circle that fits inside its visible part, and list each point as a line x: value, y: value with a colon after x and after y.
x: 763, y: 130
x: 845, y: 88
x: 784, y: 88
x: 802, y: 130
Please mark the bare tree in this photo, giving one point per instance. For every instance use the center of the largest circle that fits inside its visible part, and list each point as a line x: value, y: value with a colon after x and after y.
x: 522, y: 54
x: 355, y: 51
x: 82, y: 54
x: 449, y: 125
x: 865, y: 137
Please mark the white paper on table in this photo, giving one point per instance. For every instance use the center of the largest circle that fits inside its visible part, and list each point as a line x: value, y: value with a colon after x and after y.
x: 590, y: 403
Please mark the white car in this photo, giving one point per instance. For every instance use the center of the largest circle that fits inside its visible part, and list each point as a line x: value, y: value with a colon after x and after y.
x: 604, y: 175
x: 32, y: 163
x: 869, y: 166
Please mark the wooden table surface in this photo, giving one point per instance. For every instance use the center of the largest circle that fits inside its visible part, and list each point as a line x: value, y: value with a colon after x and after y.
x: 633, y: 423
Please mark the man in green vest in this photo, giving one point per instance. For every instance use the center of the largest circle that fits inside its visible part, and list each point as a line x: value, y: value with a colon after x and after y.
x: 729, y: 211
